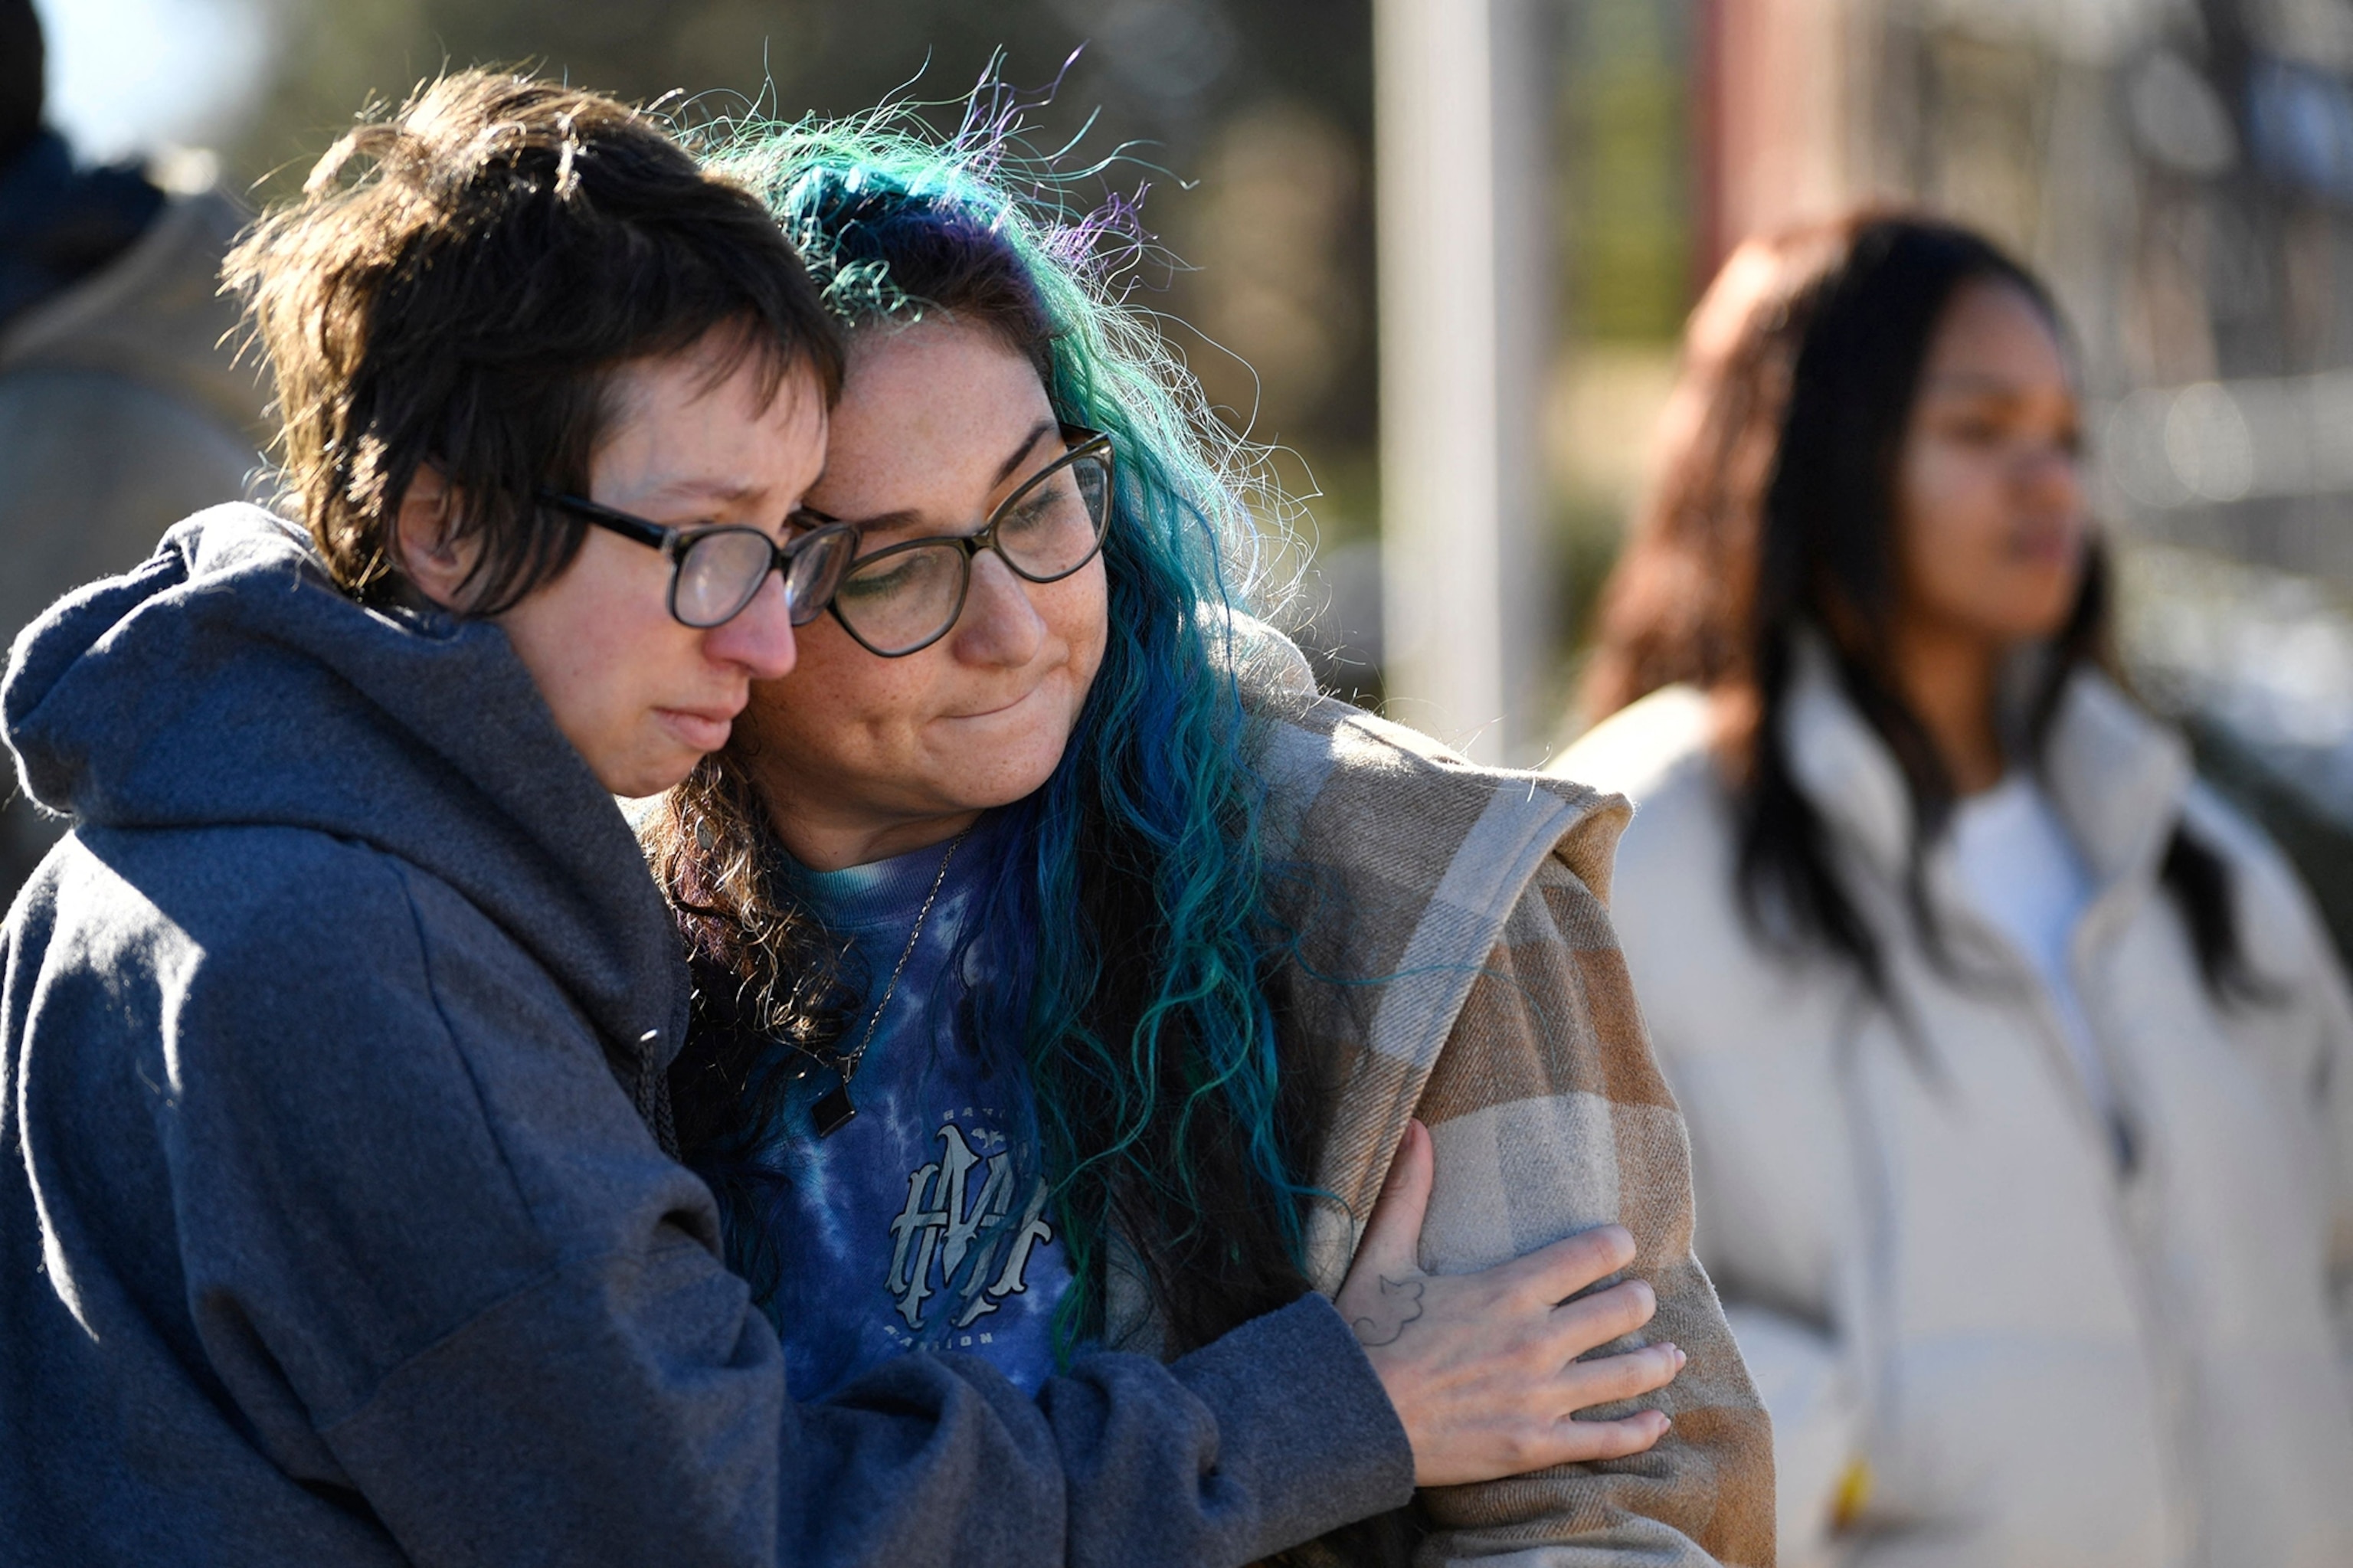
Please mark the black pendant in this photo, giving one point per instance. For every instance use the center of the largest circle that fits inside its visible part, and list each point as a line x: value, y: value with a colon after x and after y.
x: 832, y: 1111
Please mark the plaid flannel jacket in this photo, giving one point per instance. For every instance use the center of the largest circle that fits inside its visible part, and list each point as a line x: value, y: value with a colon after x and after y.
x: 1455, y: 959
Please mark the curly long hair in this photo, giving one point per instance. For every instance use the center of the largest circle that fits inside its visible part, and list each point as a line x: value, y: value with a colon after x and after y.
x: 1170, y: 1133
x: 1773, y: 518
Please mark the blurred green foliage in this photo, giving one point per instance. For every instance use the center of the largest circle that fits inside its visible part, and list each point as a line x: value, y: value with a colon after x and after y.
x: 1625, y: 167
x: 1250, y: 123
x: 1626, y: 206
x: 1161, y: 69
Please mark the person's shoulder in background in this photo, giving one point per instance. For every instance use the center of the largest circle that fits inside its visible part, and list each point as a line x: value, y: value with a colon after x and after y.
x: 2284, y: 931
x: 1639, y: 750
x: 1660, y: 754
x: 123, y: 408
x: 153, y: 312
x: 1709, y: 988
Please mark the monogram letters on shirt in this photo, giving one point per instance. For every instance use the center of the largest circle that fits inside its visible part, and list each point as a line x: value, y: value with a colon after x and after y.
x: 953, y: 1234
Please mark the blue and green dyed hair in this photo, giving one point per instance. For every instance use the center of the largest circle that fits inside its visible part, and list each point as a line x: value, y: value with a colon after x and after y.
x: 1172, y: 1134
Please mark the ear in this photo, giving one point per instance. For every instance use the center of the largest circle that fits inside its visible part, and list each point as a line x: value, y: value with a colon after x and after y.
x: 425, y: 533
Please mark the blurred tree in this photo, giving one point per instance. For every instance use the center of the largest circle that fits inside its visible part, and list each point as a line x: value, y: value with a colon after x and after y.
x: 1252, y: 116
x: 1626, y: 202
x: 1624, y: 164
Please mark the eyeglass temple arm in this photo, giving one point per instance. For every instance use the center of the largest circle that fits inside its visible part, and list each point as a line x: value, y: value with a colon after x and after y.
x: 620, y: 523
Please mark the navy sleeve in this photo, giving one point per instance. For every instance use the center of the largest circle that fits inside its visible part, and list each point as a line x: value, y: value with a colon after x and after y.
x: 443, y: 1269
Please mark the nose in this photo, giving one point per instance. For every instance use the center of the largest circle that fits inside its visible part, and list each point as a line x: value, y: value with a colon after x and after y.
x: 999, y: 625
x: 759, y: 640
x: 2053, y: 479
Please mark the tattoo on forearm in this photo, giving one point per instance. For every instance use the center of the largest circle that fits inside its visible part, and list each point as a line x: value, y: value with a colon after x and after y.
x: 1405, y: 1296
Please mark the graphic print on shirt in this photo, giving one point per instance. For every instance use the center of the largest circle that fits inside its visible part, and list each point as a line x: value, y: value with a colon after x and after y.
x: 957, y: 1250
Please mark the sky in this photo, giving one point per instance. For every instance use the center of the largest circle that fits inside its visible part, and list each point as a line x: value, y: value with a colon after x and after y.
x: 128, y: 75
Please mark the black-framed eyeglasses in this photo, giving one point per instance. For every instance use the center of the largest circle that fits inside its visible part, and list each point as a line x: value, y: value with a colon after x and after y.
x: 717, y: 569
x: 903, y: 598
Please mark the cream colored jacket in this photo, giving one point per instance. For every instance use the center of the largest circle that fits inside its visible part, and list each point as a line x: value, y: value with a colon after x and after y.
x: 1980, y: 1343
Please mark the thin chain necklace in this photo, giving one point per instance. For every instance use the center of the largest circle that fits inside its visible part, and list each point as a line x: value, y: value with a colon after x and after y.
x: 834, y: 1108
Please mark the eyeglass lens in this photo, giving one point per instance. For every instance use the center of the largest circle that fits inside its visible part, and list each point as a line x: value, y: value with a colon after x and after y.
x: 721, y: 572
x: 898, y: 601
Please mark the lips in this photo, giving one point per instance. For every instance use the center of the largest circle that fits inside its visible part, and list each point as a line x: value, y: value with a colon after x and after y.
x: 1003, y: 708
x: 2044, y: 543
x: 699, y: 729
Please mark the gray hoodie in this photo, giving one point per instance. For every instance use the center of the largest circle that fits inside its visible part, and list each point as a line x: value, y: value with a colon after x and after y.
x: 332, y: 1227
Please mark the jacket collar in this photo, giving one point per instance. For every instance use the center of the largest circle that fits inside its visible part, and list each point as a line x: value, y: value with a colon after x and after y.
x: 1395, y: 865
x: 2115, y: 775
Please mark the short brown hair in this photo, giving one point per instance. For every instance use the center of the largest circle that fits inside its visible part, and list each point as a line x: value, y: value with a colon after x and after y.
x: 466, y: 299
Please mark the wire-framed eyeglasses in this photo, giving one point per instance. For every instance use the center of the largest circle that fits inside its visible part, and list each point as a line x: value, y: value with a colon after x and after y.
x: 903, y: 598
x: 717, y: 569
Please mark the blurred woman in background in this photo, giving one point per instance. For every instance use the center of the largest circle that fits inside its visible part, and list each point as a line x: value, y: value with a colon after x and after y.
x: 1069, y: 973
x: 2018, y: 1073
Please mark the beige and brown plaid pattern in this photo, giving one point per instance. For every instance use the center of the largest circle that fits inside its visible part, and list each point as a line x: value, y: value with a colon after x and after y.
x: 1456, y: 961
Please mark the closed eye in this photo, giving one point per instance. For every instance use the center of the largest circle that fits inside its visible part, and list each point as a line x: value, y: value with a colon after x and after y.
x: 1032, y: 509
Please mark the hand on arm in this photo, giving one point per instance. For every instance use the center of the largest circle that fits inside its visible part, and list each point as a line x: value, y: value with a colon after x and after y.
x: 1483, y: 1368
x: 1549, y: 1054
x: 521, y: 1347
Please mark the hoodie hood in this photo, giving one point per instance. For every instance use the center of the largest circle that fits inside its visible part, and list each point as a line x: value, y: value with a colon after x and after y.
x: 226, y: 683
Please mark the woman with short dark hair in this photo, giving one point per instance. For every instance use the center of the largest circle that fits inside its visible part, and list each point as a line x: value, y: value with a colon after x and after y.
x: 335, y: 1225
x: 2019, y: 1073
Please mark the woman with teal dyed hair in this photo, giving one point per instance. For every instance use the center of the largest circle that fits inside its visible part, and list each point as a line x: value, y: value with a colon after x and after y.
x: 1071, y: 977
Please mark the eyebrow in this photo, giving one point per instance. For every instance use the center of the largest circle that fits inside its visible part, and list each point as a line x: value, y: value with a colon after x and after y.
x: 883, y: 522
x: 730, y: 491
x: 1979, y: 383
x: 1044, y: 427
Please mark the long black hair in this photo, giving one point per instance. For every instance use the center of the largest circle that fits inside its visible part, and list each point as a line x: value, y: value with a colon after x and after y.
x: 1774, y: 520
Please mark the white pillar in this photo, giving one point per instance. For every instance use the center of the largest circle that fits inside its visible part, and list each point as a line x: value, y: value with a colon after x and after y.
x: 1459, y: 116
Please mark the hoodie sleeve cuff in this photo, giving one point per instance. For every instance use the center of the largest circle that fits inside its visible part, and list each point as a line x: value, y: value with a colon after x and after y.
x: 1300, y: 1414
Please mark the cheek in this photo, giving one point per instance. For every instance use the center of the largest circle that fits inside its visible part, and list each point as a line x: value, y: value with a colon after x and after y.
x: 1076, y: 613
x: 1079, y: 614
x: 838, y: 696
x: 603, y: 676
x: 587, y: 653
x: 1951, y: 494
x: 1952, y: 520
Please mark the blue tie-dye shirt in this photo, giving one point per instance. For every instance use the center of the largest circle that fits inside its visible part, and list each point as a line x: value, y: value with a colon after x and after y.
x: 922, y: 1223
